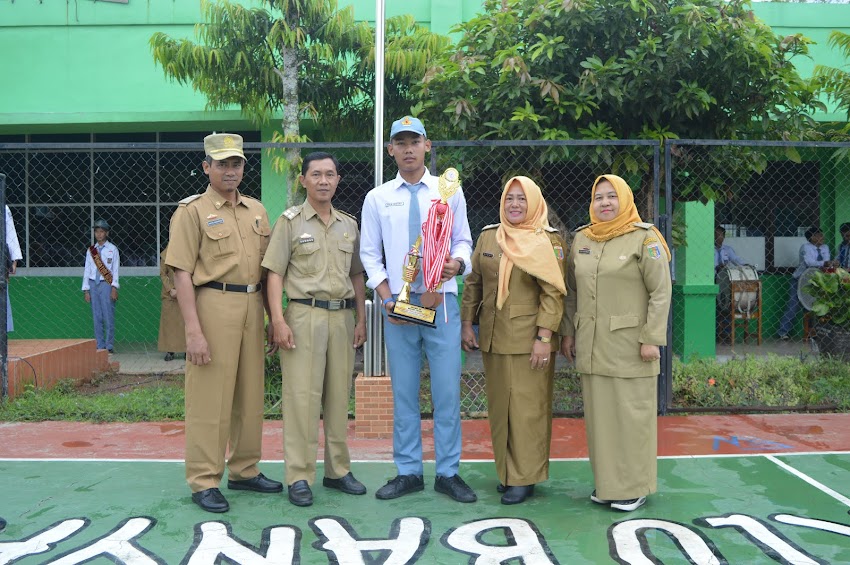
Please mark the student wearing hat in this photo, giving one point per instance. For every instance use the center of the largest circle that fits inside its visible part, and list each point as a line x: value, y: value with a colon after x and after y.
x: 100, y: 284
x: 216, y: 247
x: 392, y: 220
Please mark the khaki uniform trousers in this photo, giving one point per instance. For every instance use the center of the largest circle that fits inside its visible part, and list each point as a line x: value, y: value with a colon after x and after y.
x: 224, y: 399
x: 317, y: 381
x: 519, y: 407
x: 621, y: 419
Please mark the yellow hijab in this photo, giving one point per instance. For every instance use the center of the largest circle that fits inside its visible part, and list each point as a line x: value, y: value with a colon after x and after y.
x: 624, y: 222
x: 527, y: 244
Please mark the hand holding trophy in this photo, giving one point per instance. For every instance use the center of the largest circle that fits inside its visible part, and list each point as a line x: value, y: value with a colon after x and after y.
x: 436, y: 243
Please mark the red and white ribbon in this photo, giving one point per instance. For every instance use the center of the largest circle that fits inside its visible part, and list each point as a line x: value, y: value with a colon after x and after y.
x: 436, y: 242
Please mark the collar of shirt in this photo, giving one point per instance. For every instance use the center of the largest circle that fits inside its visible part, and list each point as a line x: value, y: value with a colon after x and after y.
x: 309, y: 212
x: 427, y: 179
x: 218, y: 200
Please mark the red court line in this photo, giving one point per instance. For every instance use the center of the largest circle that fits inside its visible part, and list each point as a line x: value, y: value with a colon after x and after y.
x: 677, y: 435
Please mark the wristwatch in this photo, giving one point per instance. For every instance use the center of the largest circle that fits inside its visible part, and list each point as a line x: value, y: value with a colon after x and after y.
x: 544, y: 339
x: 462, y: 265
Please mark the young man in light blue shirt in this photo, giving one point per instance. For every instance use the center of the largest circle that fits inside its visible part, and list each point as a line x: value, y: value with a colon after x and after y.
x: 392, y: 216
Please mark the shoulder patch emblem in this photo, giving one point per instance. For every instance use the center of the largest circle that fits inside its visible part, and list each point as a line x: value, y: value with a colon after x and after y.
x: 653, y: 250
x: 559, y: 252
x: 189, y: 199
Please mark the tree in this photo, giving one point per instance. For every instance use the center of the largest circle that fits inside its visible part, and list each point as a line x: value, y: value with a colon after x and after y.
x: 296, y: 58
x: 620, y: 69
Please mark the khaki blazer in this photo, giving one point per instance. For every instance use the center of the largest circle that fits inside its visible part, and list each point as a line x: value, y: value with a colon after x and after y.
x: 531, y: 304
x: 618, y: 297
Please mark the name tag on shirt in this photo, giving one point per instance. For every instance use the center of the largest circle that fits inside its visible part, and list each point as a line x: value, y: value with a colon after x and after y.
x: 215, y: 222
x: 584, y: 250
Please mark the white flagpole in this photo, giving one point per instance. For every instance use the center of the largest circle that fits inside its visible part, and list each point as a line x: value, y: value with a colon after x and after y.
x: 380, y: 22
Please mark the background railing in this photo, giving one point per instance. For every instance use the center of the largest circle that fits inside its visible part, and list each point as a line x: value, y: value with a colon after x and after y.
x: 763, y: 195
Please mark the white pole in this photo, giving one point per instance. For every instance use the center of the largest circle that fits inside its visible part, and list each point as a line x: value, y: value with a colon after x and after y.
x: 380, y: 22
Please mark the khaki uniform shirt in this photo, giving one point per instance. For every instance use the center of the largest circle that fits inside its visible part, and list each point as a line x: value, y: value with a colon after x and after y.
x: 315, y: 259
x: 618, y: 297
x: 215, y: 241
x: 532, y: 303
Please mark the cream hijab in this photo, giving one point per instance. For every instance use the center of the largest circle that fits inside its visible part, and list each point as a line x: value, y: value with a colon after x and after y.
x: 526, y: 245
x: 624, y: 222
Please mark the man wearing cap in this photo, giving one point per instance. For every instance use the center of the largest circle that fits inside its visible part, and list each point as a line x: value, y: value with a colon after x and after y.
x: 216, y: 247
x: 314, y: 255
x: 392, y: 220
x: 100, y: 284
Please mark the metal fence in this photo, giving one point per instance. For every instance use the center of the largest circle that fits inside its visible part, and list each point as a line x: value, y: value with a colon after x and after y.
x: 762, y: 196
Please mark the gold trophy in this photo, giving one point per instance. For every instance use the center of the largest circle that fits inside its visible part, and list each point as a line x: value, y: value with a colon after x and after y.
x: 403, y: 309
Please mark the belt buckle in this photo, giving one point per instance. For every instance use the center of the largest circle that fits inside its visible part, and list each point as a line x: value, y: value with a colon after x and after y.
x: 251, y: 288
x: 335, y: 304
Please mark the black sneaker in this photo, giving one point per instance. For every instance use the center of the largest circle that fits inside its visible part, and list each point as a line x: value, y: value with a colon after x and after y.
x: 455, y: 488
x: 399, y: 486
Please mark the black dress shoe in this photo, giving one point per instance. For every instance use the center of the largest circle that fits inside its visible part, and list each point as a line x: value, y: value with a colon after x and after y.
x: 455, y: 488
x: 515, y: 495
x: 399, y: 486
x: 169, y: 356
x: 500, y: 488
x: 2, y: 524
x: 347, y: 484
x: 300, y: 494
x: 258, y: 484
x: 211, y: 500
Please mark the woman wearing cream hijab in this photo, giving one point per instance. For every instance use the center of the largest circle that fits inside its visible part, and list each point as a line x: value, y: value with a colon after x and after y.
x: 618, y: 299
x: 515, y: 293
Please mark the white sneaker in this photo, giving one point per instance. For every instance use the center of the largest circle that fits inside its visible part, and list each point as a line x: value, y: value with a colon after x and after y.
x: 628, y: 505
x: 598, y: 500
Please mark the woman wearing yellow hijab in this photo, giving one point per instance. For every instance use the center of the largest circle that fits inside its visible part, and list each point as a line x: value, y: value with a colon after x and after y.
x: 515, y: 293
x: 618, y: 299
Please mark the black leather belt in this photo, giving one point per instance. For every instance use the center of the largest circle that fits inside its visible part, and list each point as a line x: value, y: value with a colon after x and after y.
x: 339, y: 304
x: 230, y: 287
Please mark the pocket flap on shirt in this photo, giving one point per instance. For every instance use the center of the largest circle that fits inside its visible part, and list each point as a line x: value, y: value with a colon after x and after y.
x: 218, y: 232
x: 620, y: 322
x: 523, y: 310
x: 347, y: 246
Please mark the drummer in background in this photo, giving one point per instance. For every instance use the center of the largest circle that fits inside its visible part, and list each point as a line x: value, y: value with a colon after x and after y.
x: 844, y: 249
x: 723, y: 254
x: 813, y: 253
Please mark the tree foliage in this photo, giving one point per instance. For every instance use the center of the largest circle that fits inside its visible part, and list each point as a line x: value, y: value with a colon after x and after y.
x: 604, y: 69
x: 622, y: 69
x: 292, y: 59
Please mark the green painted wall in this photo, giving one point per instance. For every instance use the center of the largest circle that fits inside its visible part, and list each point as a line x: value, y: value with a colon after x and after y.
x: 86, y: 66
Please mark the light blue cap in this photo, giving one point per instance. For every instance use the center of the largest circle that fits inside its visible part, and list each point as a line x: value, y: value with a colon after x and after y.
x: 407, y: 123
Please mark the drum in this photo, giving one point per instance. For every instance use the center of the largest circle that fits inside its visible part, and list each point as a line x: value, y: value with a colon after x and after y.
x: 744, y: 301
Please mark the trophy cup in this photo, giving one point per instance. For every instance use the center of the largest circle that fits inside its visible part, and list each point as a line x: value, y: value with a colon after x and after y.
x: 403, y: 309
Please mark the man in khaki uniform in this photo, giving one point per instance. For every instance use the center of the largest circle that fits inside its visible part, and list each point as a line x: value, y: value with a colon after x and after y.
x: 314, y: 254
x: 216, y: 247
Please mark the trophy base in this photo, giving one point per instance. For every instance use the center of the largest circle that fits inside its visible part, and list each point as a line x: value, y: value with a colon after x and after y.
x: 414, y: 314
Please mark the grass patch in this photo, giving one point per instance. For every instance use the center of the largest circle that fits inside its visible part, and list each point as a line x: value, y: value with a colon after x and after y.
x: 753, y: 382
x: 66, y: 402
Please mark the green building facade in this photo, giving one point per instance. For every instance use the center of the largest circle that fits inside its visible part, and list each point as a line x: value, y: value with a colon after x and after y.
x: 83, y: 72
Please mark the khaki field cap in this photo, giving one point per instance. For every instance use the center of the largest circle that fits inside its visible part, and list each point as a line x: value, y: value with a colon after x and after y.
x: 223, y: 145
